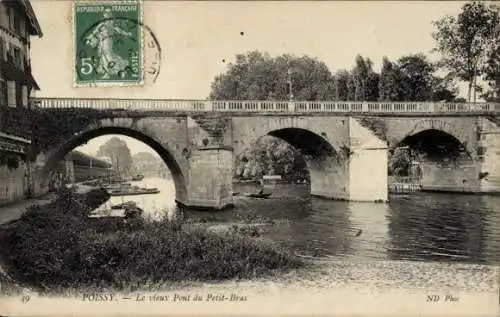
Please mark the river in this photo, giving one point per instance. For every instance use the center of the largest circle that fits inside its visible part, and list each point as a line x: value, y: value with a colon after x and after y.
x: 421, y: 226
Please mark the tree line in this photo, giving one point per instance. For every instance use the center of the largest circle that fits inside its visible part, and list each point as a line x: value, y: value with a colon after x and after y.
x: 468, y: 46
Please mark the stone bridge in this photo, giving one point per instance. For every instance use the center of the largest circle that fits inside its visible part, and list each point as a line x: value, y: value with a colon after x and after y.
x: 347, y: 142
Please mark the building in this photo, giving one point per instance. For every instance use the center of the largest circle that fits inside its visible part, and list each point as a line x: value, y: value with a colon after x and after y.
x: 17, y: 24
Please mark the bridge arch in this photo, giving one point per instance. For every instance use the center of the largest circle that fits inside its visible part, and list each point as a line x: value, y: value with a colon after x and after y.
x: 443, y: 129
x: 436, y: 144
x: 326, y: 165
x: 308, y: 142
x: 164, y: 151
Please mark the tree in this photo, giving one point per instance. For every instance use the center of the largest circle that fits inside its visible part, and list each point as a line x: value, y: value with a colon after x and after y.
x: 119, y: 153
x: 341, y: 80
x: 365, y: 80
x: 415, y: 77
x: 270, y: 155
x: 399, y: 162
x: 443, y: 89
x: 388, y: 83
x: 466, y: 41
x: 411, y: 78
x: 258, y: 76
x: 492, y: 69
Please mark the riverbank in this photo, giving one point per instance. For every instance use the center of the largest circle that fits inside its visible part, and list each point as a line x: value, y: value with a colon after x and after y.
x: 320, y: 287
x: 57, y: 246
x: 389, y: 288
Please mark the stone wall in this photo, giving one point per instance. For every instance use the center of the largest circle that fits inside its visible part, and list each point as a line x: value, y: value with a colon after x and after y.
x: 13, y: 184
x: 450, y: 176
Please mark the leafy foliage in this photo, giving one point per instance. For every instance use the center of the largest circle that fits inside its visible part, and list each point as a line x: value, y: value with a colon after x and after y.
x: 118, y: 152
x: 400, y: 162
x: 258, y: 76
x: 57, y: 247
x: 492, y: 69
x: 467, y: 42
x: 270, y: 155
x: 411, y: 78
x: 365, y: 80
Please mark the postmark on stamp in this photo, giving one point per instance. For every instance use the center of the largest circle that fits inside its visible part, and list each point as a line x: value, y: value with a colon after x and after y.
x: 110, y: 42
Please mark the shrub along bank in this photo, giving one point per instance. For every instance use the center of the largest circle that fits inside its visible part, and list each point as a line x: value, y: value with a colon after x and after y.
x: 57, y: 247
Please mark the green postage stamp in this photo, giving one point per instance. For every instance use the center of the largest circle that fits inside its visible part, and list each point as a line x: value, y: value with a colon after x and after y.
x: 108, y: 42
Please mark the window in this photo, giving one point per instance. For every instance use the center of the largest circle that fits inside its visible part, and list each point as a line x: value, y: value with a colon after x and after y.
x: 11, y: 93
x: 12, y: 17
x: 24, y: 95
x: 19, y: 95
x: 2, y: 48
x: 17, y: 24
x: 481, y: 150
x: 18, y: 60
x: 3, y: 92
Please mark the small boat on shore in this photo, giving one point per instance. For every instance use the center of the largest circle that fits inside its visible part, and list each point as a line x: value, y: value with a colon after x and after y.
x: 258, y: 195
x: 124, y: 205
x: 134, y: 191
x: 126, y: 189
x: 130, y: 209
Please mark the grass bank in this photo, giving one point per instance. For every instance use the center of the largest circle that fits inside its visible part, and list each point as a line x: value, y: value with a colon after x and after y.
x: 56, y: 247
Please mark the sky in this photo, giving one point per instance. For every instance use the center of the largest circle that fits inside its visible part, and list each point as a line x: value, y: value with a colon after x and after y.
x: 199, y: 39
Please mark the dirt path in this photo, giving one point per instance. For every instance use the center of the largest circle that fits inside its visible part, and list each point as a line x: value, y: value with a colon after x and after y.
x: 15, y: 210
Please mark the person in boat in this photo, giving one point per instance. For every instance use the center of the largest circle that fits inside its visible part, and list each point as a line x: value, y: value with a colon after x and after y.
x: 261, y: 183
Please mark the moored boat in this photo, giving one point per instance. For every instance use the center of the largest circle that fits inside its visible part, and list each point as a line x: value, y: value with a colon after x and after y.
x: 259, y: 195
x: 133, y: 191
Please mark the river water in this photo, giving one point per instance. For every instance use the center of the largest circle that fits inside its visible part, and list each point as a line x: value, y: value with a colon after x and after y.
x: 421, y: 226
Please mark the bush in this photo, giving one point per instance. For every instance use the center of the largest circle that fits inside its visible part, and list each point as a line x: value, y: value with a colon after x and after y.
x: 52, y: 248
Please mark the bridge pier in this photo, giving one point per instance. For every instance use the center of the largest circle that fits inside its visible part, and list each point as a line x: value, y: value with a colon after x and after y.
x: 460, y: 176
x: 359, y: 173
x: 367, y: 164
x: 210, y: 183
x: 329, y: 178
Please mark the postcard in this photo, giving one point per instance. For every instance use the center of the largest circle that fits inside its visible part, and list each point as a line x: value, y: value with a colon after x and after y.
x: 168, y: 158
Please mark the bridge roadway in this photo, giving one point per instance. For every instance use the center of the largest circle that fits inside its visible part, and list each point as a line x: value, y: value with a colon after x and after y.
x: 346, y: 144
x: 281, y: 107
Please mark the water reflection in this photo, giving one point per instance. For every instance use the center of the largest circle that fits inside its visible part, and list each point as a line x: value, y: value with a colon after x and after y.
x: 435, y: 227
x: 426, y: 227
x: 156, y: 205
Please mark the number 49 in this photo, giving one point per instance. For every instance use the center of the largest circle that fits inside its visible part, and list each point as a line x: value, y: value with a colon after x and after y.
x: 86, y: 65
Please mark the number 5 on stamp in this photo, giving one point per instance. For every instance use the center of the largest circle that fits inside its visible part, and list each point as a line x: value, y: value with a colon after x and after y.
x: 108, y: 43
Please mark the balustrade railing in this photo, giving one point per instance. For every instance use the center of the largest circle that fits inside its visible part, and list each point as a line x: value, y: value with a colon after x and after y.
x: 267, y: 106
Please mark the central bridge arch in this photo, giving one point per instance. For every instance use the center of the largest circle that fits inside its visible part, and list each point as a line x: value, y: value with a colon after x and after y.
x: 57, y: 154
x: 327, y: 166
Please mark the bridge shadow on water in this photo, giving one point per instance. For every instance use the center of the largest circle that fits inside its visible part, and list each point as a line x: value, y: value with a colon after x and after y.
x: 420, y: 227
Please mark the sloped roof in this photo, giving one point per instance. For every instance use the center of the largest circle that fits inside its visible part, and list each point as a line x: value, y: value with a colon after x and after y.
x: 30, y: 13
